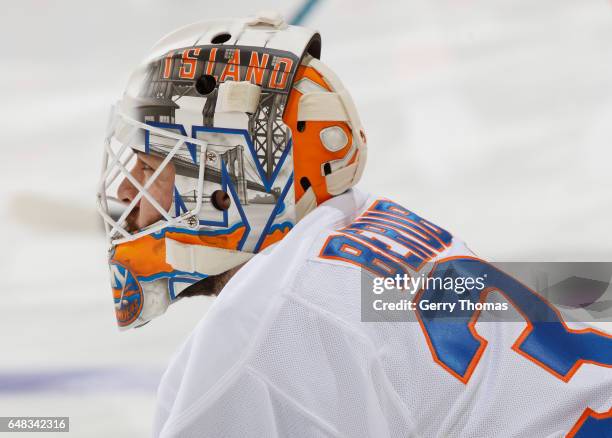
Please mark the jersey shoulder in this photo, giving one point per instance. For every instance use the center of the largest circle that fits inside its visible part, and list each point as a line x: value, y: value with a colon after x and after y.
x: 381, y: 238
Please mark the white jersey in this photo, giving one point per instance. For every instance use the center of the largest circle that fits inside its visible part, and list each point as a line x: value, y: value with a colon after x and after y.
x: 283, y: 351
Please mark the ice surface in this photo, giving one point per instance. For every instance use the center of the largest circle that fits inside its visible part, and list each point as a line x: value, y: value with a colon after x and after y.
x: 491, y: 118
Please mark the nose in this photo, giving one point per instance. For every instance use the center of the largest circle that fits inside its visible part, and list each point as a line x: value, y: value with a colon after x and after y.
x: 144, y: 213
x: 126, y: 191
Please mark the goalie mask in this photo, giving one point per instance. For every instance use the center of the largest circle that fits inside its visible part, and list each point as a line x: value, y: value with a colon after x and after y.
x: 228, y: 134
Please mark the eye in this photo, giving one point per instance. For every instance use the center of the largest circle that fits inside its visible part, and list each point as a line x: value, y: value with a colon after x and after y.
x: 220, y: 200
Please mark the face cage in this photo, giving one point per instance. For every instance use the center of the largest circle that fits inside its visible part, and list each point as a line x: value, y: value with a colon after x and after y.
x: 113, y: 166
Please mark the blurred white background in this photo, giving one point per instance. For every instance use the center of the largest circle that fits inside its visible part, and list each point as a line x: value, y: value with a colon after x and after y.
x: 492, y: 118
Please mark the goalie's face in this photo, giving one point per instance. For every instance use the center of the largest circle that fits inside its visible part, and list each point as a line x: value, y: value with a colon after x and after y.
x: 144, y: 213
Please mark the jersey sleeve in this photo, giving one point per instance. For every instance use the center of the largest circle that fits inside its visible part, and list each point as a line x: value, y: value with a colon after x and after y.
x: 248, y: 406
x: 306, y: 372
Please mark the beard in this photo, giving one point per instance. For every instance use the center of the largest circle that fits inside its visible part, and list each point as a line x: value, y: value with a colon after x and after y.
x: 211, y: 285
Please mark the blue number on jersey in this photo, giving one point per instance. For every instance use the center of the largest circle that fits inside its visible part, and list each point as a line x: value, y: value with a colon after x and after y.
x: 455, y: 345
x: 546, y: 341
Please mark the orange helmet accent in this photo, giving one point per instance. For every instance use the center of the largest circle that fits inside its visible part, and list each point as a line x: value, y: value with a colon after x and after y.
x: 309, y: 153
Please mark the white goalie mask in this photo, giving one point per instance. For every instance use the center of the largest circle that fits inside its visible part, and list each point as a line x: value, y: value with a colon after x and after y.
x: 198, y: 170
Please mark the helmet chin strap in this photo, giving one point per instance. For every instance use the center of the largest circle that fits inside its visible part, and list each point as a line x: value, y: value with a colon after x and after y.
x: 207, y: 260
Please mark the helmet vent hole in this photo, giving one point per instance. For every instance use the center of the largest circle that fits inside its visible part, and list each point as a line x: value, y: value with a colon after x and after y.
x: 205, y: 84
x: 301, y: 126
x: 220, y: 38
x: 327, y: 169
x: 220, y: 200
x: 305, y: 183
